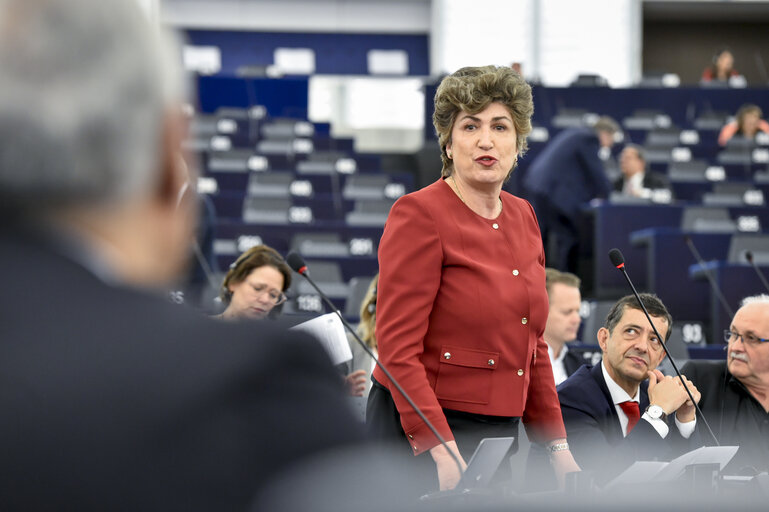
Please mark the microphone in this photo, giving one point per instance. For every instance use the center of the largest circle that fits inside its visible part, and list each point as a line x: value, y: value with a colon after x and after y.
x: 298, y: 265
x: 749, y: 257
x: 619, y: 261
x: 709, y: 276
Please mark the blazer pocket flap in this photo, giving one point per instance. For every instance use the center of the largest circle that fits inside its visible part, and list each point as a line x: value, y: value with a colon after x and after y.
x: 469, y: 357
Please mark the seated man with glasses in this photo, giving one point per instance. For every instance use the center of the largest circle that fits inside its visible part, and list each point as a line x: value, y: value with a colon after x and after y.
x: 735, y: 393
x: 620, y: 411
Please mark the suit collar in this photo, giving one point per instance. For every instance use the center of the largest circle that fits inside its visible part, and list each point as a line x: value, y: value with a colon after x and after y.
x: 618, y: 395
x: 643, y: 394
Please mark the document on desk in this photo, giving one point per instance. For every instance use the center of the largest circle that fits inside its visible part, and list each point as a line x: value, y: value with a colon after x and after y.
x: 328, y: 329
x: 641, y: 471
x: 656, y: 471
x: 703, y: 455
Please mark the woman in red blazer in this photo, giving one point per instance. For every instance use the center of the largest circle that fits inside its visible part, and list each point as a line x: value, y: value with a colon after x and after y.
x: 462, y: 303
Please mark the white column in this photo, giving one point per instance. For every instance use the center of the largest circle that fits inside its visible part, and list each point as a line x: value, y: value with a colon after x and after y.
x: 152, y: 8
x: 480, y: 32
x: 590, y: 36
x: 555, y: 40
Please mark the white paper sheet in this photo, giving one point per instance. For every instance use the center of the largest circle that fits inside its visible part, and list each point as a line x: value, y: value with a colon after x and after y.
x: 328, y: 329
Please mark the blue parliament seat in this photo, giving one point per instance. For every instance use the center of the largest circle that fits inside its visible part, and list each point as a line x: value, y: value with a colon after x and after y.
x: 362, y: 240
x: 573, y: 118
x: 734, y: 194
x: 668, y: 258
x: 358, y: 287
x: 755, y: 243
x: 707, y: 219
x: 607, y: 225
x: 319, y: 245
x: 362, y: 186
x: 271, y: 184
x: 711, y: 120
x: 327, y: 275
x: 663, y: 137
x: 647, y: 119
x: 692, y: 171
x: 232, y: 161
x: 371, y: 212
x: 286, y: 128
x: 595, y: 317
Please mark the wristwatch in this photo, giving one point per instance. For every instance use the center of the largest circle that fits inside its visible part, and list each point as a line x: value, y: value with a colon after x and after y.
x: 655, y: 412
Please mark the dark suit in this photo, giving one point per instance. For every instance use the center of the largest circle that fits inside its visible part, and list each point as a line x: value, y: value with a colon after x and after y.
x: 572, y: 362
x: 594, y: 431
x: 567, y: 174
x: 114, y: 399
x: 652, y: 180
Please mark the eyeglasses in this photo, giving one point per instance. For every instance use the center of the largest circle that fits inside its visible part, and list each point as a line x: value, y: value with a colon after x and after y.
x: 276, y: 297
x: 747, y: 339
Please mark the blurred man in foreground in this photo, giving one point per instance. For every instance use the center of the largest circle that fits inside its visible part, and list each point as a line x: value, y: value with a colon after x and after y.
x: 562, y: 322
x: 113, y: 398
x: 735, y: 394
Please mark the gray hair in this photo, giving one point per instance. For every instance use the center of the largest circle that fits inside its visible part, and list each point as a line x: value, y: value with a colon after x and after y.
x: 83, y: 89
x: 755, y: 299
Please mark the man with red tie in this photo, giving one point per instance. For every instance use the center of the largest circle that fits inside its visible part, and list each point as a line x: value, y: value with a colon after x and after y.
x: 619, y: 411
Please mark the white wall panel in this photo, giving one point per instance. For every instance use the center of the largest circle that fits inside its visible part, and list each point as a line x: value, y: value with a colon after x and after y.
x: 590, y: 36
x: 381, y: 16
x: 479, y: 32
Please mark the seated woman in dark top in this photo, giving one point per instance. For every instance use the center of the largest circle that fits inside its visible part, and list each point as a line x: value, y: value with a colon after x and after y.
x: 254, y: 289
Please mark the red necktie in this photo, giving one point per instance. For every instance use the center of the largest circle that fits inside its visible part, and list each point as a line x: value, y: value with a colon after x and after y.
x: 633, y: 413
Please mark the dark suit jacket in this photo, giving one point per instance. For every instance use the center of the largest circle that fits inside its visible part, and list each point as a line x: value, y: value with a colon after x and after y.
x: 568, y: 171
x: 572, y: 362
x: 652, y: 180
x: 594, y: 432
x: 114, y: 399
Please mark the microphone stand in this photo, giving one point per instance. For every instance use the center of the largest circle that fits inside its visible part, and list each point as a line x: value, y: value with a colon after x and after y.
x: 621, y: 267
x: 749, y: 257
x: 302, y: 271
x: 709, y: 276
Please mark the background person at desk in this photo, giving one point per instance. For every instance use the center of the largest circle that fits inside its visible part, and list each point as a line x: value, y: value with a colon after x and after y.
x: 637, y: 180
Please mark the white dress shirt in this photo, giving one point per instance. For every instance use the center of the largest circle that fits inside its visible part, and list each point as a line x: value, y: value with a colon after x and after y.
x: 559, y: 370
x: 619, y: 395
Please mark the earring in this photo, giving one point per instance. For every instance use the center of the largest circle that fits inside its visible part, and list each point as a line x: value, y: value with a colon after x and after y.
x: 448, y: 153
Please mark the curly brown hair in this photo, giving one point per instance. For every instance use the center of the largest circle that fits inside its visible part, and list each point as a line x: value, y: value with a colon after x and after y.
x: 472, y: 89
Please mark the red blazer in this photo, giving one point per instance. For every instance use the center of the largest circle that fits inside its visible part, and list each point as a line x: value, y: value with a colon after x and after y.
x: 461, y: 308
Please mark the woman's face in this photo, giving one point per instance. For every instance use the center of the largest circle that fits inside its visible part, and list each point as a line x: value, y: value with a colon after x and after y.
x: 750, y: 124
x: 725, y: 62
x: 257, y: 294
x: 483, y: 146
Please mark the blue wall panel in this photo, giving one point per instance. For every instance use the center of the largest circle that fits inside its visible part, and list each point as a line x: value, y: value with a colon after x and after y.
x: 342, y: 54
x: 286, y: 97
